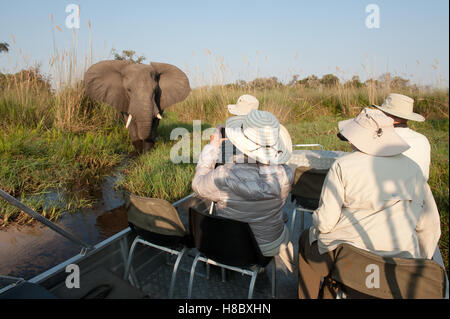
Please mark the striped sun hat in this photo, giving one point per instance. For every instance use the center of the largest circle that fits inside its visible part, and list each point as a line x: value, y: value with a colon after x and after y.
x: 260, y: 136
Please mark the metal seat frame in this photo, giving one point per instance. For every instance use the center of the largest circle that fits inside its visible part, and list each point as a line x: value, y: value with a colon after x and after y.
x: 245, y: 271
x: 178, y: 253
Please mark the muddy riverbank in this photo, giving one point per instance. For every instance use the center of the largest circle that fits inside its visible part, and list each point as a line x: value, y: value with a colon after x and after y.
x: 26, y: 251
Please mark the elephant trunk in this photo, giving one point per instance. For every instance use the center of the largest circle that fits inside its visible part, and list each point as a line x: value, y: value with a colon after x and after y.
x: 142, y: 113
x: 144, y: 129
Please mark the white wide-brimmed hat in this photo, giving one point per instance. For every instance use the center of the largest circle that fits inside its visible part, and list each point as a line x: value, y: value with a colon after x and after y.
x: 260, y: 136
x: 244, y: 105
x: 401, y: 106
x: 372, y: 132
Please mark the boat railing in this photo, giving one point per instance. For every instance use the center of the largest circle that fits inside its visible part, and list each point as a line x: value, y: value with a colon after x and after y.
x: 120, y: 237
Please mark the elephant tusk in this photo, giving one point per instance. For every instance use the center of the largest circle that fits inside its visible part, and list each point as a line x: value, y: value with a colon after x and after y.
x: 159, y: 116
x: 128, y: 121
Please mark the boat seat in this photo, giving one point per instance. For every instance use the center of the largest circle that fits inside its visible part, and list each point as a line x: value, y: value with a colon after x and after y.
x: 239, y: 252
x: 27, y: 290
x: 305, y: 192
x: 156, y: 224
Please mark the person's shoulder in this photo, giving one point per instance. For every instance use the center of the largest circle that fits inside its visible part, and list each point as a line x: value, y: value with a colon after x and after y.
x: 422, y: 138
x: 406, y: 132
x: 289, y: 172
x: 351, y: 158
x: 352, y: 162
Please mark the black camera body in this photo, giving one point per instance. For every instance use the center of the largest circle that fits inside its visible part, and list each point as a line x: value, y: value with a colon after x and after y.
x: 223, y: 159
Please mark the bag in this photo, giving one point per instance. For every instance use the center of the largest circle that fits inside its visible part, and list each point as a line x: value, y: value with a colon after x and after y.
x: 388, y: 277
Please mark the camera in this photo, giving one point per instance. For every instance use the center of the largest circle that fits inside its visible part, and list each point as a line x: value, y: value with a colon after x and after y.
x: 224, y: 150
x: 342, y: 137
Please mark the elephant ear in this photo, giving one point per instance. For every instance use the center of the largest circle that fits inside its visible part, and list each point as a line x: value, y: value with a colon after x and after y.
x: 103, y: 82
x: 173, y: 84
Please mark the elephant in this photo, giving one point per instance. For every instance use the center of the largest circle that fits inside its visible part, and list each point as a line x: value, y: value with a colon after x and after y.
x: 140, y: 92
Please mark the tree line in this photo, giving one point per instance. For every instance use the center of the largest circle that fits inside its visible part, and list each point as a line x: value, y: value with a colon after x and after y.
x: 311, y: 81
x: 327, y: 81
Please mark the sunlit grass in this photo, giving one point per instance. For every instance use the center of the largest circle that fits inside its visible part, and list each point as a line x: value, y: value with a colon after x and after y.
x: 293, y: 104
x: 154, y: 175
x: 40, y: 161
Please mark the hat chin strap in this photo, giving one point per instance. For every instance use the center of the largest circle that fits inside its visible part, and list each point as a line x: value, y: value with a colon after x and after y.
x: 379, y: 130
x: 260, y: 145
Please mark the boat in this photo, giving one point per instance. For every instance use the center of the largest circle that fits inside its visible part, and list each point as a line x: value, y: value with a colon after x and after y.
x: 101, y: 269
x: 98, y: 271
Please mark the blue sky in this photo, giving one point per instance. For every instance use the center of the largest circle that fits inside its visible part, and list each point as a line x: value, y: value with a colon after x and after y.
x: 249, y: 38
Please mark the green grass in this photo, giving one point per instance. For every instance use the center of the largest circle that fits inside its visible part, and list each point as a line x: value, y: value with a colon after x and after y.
x: 437, y: 132
x: 292, y: 104
x: 154, y: 175
x: 54, y: 144
x: 40, y: 161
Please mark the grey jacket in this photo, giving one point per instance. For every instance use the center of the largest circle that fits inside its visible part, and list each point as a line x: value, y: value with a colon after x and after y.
x: 252, y: 193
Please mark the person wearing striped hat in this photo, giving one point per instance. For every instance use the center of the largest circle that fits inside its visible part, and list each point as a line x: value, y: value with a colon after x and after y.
x: 253, y: 191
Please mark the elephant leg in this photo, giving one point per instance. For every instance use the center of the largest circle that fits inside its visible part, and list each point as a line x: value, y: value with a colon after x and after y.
x: 139, y: 146
x: 148, y: 145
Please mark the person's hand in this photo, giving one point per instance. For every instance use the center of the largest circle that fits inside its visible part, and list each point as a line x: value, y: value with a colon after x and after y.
x: 216, y: 139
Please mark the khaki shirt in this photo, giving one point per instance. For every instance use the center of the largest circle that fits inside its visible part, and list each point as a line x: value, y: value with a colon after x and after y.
x: 380, y: 204
x: 420, y: 148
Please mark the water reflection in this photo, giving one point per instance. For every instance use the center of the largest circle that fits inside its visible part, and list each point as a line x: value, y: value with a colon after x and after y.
x: 26, y: 251
x: 112, y: 222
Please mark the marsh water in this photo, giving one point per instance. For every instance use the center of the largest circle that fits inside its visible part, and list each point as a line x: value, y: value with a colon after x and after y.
x: 26, y: 251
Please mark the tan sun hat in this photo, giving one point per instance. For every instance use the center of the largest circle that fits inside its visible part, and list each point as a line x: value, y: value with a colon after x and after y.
x: 260, y: 136
x: 372, y: 132
x: 244, y: 105
x: 401, y: 106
